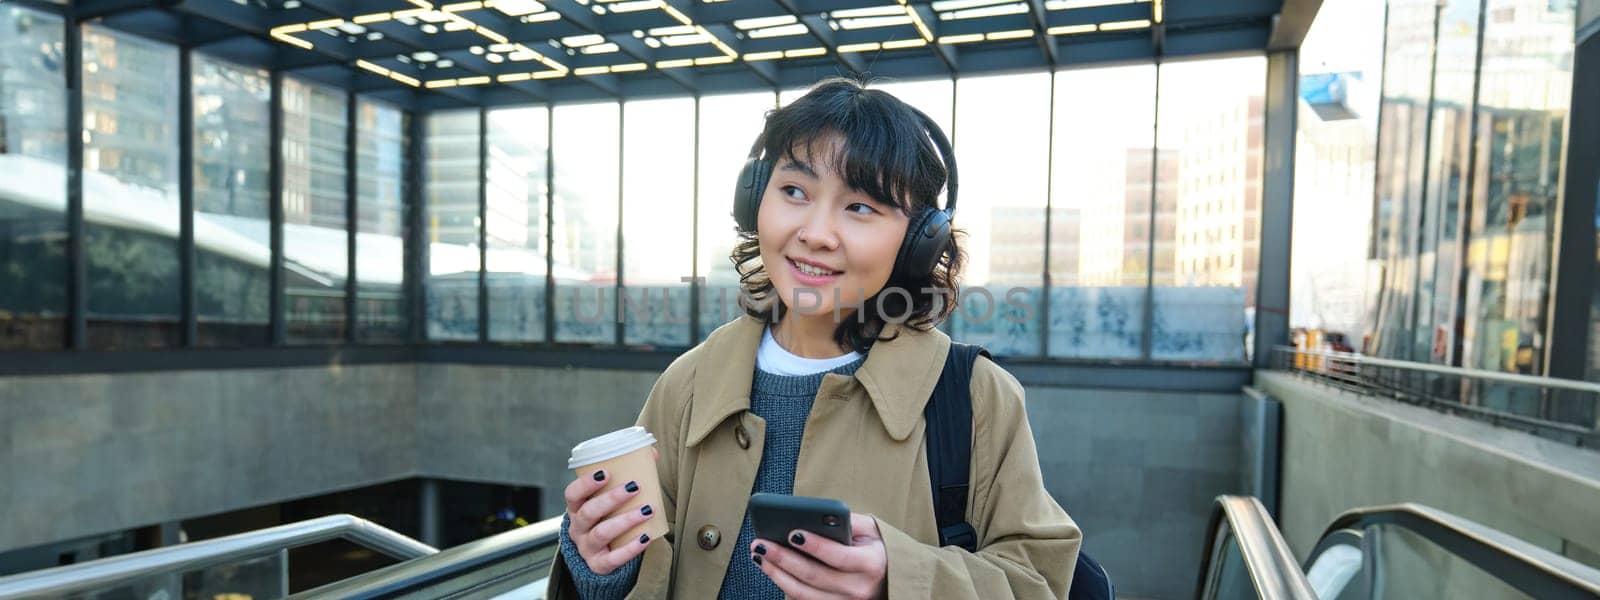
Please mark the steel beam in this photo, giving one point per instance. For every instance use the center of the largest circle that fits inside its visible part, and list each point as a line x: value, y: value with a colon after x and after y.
x: 1277, y: 205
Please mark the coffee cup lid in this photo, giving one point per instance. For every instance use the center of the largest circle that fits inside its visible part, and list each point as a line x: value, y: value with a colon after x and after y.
x: 609, y: 446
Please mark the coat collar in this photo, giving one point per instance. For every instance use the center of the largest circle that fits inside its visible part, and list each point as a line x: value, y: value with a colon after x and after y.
x: 898, y: 375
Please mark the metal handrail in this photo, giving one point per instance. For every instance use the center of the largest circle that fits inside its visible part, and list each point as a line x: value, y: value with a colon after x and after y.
x: 1454, y: 389
x: 448, y: 564
x: 97, y: 574
x: 1273, y: 570
x: 1331, y: 538
x: 1498, y: 376
x: 1535, y: 571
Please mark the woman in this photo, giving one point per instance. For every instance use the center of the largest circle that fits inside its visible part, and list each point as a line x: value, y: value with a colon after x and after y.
x: 819, y: 391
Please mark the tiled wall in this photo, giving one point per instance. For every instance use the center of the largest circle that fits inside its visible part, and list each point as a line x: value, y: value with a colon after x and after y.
x: 1138, y: 471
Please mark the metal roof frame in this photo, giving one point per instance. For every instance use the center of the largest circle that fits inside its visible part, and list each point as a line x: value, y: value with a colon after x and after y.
x: 424, y: 56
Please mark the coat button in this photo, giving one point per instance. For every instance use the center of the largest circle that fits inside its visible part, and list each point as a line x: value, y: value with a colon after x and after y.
x: 709, y: 537
x: 742, y: 436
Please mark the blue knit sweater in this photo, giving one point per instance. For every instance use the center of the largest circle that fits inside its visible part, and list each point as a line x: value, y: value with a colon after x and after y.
x: 784, y: 403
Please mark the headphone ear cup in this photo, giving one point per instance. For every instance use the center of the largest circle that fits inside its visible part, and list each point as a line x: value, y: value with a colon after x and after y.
x: 927, y: 238
x: 747, y: 197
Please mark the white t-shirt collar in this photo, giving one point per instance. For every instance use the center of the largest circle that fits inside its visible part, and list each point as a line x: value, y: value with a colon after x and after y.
x: 772, y: 358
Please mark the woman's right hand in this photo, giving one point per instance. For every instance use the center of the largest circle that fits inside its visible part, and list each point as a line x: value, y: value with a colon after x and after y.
x: 590, y: 529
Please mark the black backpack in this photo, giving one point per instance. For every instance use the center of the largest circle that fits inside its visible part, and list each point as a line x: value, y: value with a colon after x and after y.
x: 949, y: 418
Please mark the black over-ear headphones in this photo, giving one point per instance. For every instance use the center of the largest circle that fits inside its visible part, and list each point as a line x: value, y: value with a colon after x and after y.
x: 927, y: 236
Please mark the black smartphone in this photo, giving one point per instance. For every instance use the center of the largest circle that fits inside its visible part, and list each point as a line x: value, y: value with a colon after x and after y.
x: 773, y: 516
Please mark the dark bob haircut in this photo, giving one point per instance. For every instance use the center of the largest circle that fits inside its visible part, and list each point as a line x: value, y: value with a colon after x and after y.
x: 887, y: 155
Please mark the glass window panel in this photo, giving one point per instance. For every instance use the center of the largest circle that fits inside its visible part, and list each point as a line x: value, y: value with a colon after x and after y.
x: 1209, y: 148
x: 1333, y: 174
x: 1100, y: 210
x: 452, y: 198
x: 933, y: 97
x: 791, y: 94
x: 1408, y: 73
x: 657, y: 218
x: 1524, y: 96
x: 232, y: 221
x: 33, y: 180
x: 1003, y: 210
x: 315, y: 242
x: 729, y: 125
x: 380, y: 222
x: 518, y: 181
x: 585, y: 204
x: 1433, y: 337
x: 130, y: 189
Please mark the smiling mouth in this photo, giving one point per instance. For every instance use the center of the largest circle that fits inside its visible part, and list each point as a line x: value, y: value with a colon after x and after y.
x: 811, y: 270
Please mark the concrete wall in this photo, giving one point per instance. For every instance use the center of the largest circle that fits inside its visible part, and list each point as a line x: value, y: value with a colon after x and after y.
x: 88, y: 454
x: 1342, y: 450
x: 518, y: 425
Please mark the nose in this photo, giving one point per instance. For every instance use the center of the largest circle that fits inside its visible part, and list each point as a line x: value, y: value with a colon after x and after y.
x: 819, y: 232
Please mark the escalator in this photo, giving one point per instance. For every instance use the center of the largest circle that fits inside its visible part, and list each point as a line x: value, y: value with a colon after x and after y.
x: 1414, y: 551
x: 1246, y: 557
x: 254, y: 564
x: 1404, y: 551
x: 509, y: 565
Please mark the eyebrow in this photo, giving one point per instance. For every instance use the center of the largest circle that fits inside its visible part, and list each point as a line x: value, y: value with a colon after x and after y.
x: 801, y: 166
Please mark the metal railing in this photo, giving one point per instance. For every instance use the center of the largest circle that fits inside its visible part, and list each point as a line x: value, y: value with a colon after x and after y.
x: 1246, y: 556
x: 494, y: 565
x: 193, y: 556
x: 1561, y: 409
x: 1516, y: 563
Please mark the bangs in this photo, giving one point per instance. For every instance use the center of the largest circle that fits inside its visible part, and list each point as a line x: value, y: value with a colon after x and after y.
x: 884, y: 152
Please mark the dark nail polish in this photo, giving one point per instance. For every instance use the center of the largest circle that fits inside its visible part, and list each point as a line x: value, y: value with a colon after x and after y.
x: 633, y: 486
x: 646, y: 510
x: 644, y: 538
x: 599, y: 475
x: 761, y: 548
x: 798, y: 539
x: 756, y: 558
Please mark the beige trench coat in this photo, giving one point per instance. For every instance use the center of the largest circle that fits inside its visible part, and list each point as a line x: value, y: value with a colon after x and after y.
x: 864, y: 445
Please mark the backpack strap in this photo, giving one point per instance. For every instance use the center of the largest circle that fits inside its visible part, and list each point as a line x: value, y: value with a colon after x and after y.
x: 949, y: 430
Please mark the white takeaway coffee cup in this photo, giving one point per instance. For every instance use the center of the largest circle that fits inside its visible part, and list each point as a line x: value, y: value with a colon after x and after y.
x: 626, y: 455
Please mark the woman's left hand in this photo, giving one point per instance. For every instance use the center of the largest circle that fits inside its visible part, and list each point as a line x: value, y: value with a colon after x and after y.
x: 823, y: 568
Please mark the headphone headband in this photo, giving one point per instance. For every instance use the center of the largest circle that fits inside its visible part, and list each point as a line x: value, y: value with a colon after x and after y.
x: 947, y: 154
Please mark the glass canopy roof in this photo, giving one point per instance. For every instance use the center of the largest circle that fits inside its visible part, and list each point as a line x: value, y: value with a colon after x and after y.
x: 427, y: 55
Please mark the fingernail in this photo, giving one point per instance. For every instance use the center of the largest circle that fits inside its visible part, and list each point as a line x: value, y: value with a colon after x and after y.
x: 633, y: 486
x: 644, y: 538
x: 798, y: 539
x: 756, y: 558
x: 761, y: 548
x: 599, y: 475
x: 646, y: 510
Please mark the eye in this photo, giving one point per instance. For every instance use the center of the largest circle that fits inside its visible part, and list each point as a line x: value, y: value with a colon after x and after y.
x: 861, y: 208
x: 794, y: 192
